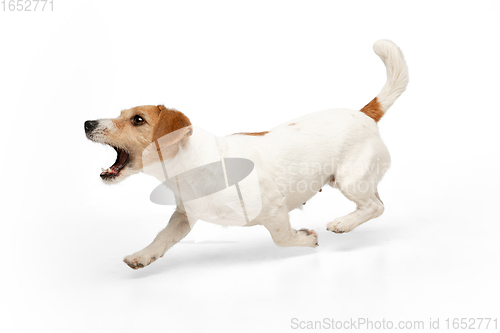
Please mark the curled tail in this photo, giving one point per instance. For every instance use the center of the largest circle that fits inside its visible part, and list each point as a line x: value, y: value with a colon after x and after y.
x: 397, y: 79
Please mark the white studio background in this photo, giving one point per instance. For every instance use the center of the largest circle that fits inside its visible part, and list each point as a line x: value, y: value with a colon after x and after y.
x: 232, y: 67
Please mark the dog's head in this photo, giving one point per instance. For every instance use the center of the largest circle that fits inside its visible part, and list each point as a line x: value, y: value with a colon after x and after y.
x: 133, y: 131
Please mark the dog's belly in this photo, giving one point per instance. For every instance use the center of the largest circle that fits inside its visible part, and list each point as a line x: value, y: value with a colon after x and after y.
x: 301, y: 192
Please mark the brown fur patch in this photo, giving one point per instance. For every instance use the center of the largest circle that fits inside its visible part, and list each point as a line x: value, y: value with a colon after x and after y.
x: 373, y: 109
x: 172, y: 128
x: 133, y: 139
x: 292, y: 124
x: 170, y: 120
x: 252, y: 134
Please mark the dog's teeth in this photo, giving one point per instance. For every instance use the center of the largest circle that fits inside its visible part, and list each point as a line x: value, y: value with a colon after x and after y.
x: 102, y: 170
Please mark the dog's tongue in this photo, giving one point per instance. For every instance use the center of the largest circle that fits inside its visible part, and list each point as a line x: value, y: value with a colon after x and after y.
x: 109, y: 171
x: 120, y: 160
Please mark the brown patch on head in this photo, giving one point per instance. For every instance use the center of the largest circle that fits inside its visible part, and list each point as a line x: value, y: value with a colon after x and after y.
x: 129, y: 134
x: 148, y: 112
x: 172, y: 129
x: 292, y: 124
x: 170, y: 120
x: 133, y: 131
x: 373, y: 110
x: 253, y: 133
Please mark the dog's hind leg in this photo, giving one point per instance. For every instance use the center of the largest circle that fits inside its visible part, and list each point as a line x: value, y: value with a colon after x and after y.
x: 368, y: 204
x: 357, y: 178
x: 178, y: 227
x: 283, y: 234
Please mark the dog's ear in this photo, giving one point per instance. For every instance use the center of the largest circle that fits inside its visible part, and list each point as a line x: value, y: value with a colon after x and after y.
x: 171, y: 128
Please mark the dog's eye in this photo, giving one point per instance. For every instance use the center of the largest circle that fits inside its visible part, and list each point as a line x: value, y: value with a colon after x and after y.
x: 137, y: 120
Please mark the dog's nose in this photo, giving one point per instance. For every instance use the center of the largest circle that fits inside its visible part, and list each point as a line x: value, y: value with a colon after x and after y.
x: 90, y: 125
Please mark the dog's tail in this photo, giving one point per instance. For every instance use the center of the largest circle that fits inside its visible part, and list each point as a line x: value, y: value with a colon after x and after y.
x: 397, y: 79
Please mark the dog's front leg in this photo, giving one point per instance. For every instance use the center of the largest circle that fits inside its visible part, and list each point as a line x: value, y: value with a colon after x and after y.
x: 178, y: 227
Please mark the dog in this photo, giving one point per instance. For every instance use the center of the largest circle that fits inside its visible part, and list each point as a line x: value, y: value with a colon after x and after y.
x: 338, y: 147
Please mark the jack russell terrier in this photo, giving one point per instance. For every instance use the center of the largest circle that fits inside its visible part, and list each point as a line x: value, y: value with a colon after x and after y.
x: 290, y: 164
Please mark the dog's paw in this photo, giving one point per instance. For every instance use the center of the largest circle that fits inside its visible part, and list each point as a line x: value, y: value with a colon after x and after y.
x: 140, y: 259
x: 308, y: 237
x: 339, y: 226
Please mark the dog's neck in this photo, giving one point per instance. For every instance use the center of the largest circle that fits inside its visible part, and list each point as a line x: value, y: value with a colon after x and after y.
x: 200, y: 149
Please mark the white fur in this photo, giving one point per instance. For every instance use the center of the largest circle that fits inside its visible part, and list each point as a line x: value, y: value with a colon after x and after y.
x: 98, y: 134
x: 295, y: 160
x: 224, y: 206
x: 397, y: 72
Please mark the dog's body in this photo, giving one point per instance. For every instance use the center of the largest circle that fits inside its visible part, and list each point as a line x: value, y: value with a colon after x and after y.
x: 293, y: 161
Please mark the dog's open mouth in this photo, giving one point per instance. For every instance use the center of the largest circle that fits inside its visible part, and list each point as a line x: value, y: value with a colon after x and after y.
x: 122, y: 159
